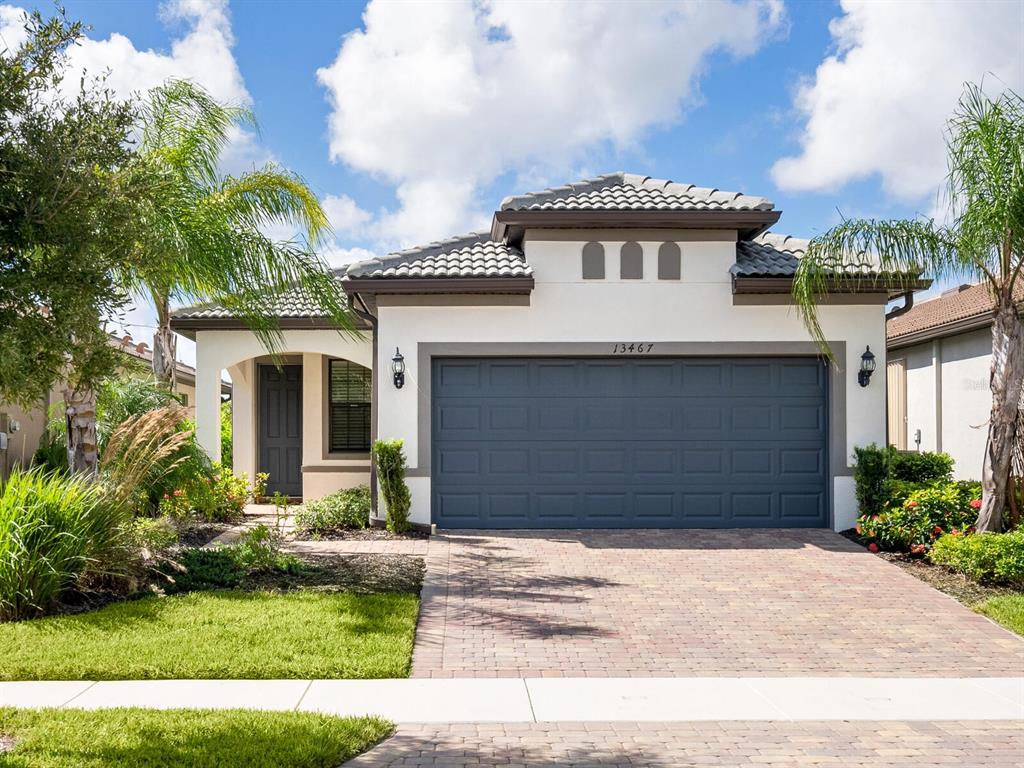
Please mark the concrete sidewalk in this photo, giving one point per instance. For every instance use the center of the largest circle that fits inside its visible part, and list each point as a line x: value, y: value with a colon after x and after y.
x: 575, y: 700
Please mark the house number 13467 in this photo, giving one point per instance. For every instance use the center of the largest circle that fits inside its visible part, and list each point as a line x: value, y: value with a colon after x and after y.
x: 635, y: 348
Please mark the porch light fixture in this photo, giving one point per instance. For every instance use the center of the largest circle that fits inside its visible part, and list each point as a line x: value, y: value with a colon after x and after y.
x: 398, y: 369
x: 867, y: 367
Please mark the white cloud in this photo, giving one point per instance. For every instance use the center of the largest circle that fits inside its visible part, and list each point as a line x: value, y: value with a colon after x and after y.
x: 202, y: 54
x: 441, y: 98
x: 338, y: 256
x: 880, y: 104
x: 12, y: 27
x: 346, y: 217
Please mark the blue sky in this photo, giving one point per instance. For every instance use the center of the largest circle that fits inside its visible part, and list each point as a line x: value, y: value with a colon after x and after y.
x: 412, y: 121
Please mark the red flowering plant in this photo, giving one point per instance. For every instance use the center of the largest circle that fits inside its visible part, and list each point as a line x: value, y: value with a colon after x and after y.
x: 927, y: 513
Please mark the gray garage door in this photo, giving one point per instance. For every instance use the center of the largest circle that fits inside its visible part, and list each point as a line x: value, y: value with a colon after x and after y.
x: 637, y: 443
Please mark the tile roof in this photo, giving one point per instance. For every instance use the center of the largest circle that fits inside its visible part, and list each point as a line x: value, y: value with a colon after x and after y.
x: 768, y: 254
x: 292, y: 303
x: 473, y: 255
x: 958, y: 304
x: 634, y: 192
x: 773, y: 255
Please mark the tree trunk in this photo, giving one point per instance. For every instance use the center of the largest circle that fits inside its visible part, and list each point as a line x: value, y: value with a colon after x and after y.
x: 1006, y: 379
x: 164, y: 348
x: 80, y: 417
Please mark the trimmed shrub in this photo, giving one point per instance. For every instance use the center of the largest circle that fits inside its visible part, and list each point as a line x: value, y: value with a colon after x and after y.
x: 885, y: 476
x: 926, y: 514
x: 990, y: 557
x: 871, y: 475
x: 344, y: 510
x: 391, y: 475
x: 57, y: 533
x: 926, y: 467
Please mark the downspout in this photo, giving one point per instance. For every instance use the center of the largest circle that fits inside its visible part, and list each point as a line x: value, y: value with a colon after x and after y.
x: 908, y: 304
x: 363, y: 312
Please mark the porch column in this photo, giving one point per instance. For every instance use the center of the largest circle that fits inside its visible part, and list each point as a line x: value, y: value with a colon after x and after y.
x: 243, y: 418
x: 208, y: 373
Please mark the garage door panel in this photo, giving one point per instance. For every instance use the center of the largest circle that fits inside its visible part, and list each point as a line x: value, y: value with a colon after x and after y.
x: 617, y: 443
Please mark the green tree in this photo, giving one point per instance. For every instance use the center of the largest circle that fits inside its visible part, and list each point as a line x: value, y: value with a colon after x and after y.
x: 206, y: 233
x: 67, y: 195
x: 982, y: 241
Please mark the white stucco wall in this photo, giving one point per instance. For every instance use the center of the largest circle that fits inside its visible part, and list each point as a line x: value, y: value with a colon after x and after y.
x: 948, y: 397
x: 566, y: 309
x: 237, y: 352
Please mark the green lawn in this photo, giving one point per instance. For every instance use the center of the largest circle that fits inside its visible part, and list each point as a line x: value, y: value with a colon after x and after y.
x: 219, y: 634
x: 1008, y: 610
x: 141, y: 738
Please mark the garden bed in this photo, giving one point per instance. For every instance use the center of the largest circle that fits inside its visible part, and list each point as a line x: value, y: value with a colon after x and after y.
x: 372, y: 533
x: 68, y: 738
x: 200, y: 534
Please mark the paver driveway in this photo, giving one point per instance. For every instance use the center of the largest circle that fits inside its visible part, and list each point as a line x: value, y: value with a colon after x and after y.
x: 972, y: 744
x: 690, y: 603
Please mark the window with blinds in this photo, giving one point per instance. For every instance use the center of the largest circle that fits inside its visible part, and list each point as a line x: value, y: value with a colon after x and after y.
x: 348, y: 392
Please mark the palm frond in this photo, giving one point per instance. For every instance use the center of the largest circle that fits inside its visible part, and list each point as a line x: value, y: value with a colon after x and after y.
x: 888, y: 254
x: 204, y: 236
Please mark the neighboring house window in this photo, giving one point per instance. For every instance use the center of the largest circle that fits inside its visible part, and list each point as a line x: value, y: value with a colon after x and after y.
x: 631, y: 266
x: 593, y: 261
x: 348, y: 393
x: 184, y: 399
x: 670, y: 262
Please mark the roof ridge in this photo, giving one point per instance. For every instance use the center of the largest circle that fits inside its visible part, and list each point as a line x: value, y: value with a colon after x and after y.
x: 429, y: 249
x: 688, y: 193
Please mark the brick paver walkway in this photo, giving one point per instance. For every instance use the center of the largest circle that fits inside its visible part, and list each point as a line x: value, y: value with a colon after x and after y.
x: 690, y: 603
x: 972, y: 744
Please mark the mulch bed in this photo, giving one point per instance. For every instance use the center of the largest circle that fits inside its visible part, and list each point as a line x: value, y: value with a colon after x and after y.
x: 201, y: 534
x: 363, y: 573
x: 361, y: 534
x: 956, y: 585
x: 6, y: 744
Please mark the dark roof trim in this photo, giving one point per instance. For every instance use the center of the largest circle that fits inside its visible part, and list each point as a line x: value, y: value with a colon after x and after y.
x: 962, y: 325
x: 745, y: 284
x: 187, y: 326
x: 438, y: 284
x: 510, y: 224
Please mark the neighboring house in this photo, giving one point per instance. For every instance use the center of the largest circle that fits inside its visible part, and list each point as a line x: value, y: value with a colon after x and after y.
x: 620, y: 352
x: 939, y: 358
x: 22, y: 444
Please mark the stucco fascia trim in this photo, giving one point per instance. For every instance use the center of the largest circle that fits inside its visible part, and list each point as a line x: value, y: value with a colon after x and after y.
x: 511, y: 224
x: 382, y: 285
x: 747, y: 284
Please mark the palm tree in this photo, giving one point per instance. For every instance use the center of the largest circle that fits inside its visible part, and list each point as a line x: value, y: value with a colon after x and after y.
x: 205, y: 238
x: 982, y: 240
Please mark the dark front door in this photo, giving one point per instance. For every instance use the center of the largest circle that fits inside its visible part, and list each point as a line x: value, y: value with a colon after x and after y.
x: 280, y: 428
x: 613, y: 443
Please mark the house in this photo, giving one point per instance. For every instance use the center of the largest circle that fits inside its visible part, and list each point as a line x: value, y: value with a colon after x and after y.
x: 618, y: 352
x: 23, y: 443
x: 939, y: 356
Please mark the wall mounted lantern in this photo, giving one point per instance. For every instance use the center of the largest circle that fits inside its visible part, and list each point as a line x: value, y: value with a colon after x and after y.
x: 867, y: 367
x: 398, y: 369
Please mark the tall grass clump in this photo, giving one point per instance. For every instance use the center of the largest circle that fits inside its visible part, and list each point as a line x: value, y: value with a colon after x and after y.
x: 146, y: 454
x: 57, y: 533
